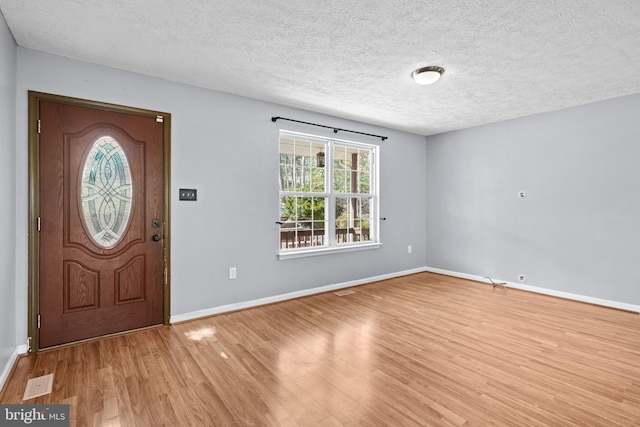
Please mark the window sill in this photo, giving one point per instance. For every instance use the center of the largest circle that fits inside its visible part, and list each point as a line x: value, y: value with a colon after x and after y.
x: 303, y: 253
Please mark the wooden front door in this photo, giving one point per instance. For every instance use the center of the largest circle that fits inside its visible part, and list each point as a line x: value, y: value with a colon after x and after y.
x: 101, y: 221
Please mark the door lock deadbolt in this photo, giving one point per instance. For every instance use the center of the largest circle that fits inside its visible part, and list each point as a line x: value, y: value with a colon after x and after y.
x: 156, y: 223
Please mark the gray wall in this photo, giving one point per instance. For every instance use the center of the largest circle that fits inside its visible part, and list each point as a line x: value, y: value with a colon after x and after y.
x: 577, y: 229
x: 227, y: 147
x: 574, y: 232
x: 8, y: 190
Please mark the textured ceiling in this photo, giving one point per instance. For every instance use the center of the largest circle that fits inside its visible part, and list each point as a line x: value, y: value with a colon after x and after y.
x: 353, y: 58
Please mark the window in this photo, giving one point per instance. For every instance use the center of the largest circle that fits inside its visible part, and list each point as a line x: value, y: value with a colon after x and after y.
x: 106, y: 192
x: 328, y: 195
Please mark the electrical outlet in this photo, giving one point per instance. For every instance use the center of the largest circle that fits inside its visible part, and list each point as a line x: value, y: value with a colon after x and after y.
x: 233, y: 272
x: 409, y: 249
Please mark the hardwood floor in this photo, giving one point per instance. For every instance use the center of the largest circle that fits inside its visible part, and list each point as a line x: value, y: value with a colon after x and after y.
x: 425, y: 349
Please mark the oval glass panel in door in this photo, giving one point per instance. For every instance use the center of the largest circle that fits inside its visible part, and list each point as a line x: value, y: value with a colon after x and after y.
x: 106, y: 192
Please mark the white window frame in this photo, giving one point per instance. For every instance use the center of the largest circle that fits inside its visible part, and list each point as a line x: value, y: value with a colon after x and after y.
x: 331, y: 246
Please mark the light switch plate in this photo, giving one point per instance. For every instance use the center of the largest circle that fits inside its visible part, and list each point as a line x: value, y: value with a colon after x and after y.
x: 188, y: 194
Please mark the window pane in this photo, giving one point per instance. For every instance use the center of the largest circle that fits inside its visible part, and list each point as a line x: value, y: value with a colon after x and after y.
x: 339, y: 157
x: 303, y: 175
x: 305, y: 208
x: 286, y: 175
x: 318, y: 162
x: 288, y: 209
x: 364, y: 163
x: 351, y: 170
x: 364, y: 172
x: 364, y: 182
x: 342, y: 213
x: 318, y: 151
x: 341, y: 181
x: 353, y: 219
x: 317, y: 180
x: 302, y: 221
x: 302, y: 165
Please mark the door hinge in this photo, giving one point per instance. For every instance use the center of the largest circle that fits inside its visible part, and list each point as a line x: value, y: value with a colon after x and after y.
x: 28, y: 344
x: 38, y: 321
x: 159, y: 119
x: 38, y: 125
x: 38, y: 223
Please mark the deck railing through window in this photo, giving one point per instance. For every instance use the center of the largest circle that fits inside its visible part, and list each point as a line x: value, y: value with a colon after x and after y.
x: 304, y: 238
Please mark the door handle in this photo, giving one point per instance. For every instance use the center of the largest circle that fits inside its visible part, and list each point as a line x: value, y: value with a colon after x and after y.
x: 156, y: 237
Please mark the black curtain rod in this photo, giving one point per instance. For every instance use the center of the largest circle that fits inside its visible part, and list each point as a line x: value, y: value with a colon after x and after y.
x: 335, y: 129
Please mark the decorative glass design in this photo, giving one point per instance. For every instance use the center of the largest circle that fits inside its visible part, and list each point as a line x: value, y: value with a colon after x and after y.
x: 106, y: 192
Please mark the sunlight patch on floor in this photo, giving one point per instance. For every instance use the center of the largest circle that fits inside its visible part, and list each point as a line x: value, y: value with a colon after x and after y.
x: 202, y: 334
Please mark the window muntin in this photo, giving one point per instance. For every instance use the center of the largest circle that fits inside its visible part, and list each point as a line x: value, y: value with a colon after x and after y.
x: 326, y: 184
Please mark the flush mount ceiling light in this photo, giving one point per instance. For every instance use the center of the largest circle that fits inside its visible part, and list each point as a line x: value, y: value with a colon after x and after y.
x: 427, y: 75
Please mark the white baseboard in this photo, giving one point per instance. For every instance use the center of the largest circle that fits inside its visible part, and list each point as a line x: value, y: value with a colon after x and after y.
x: 283, y: 297
x: 21, y: 349
x: 545, y: 291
